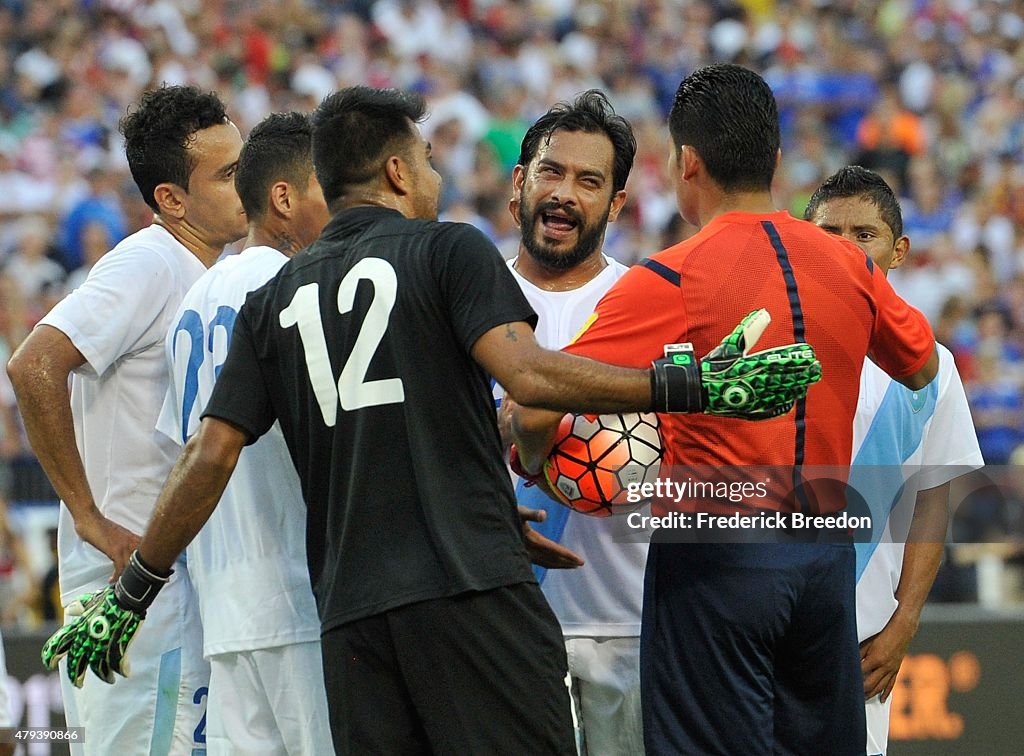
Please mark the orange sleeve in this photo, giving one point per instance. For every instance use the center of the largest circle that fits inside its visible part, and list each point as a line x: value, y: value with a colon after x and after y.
x: 901, y: 339
x: 632, y: 323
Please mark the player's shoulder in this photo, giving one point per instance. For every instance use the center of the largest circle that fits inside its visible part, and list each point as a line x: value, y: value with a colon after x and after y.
x: 251, y: 267
x: 149, y: 254
x: 617, y: 269
x: 245, y: 270
x: 457, y: 232
x: 453, y: 246
x: 948, y: 378
x: 946, y: 360
x: 837, y: 249
x: 151, y: 242
x: 663, y: 266
x: 422, y: 230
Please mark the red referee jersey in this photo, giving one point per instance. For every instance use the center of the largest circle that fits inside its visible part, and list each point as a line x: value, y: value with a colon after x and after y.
x: 817, y: 287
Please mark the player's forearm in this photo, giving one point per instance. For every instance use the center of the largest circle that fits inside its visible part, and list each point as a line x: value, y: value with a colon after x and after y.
x: 191, y: 493
x: 41, y: 385
x: 567, y: 383
x: 533, y: 432
x: 921, y: 563
x: 922, y: 556
x: 538, y: 377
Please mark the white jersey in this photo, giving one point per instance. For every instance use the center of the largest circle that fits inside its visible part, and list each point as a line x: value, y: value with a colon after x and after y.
x: 118, y: 319
x: 604, y: 597
x: 248, y: 563
x: 915, y: 439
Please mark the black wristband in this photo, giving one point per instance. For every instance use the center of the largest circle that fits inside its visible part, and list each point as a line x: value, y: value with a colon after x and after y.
x: 139, y: 584
x: 676, y: 385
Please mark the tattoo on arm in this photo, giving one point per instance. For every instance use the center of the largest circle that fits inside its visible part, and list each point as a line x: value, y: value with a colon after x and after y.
x: 510, y: 333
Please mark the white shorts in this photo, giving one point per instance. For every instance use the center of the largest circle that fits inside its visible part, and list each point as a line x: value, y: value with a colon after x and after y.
x: 877, y: 714
x: 605, y: 689
x: 160, y: 708
x: 269, y: 701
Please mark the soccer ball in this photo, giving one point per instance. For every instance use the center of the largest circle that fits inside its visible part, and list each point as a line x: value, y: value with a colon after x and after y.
x: 596, y: 458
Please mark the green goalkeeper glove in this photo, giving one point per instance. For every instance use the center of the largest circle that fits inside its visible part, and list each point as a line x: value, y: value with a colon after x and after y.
x: 105, y: 624
x: 731, y: 382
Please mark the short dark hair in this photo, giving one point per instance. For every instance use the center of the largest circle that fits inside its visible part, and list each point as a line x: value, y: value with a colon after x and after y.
x: 355, y: 129
x: 728, y: 114
x: 855, y: 181
x: 159, y: 131
x: 590, y: 112
x: 277, y: 149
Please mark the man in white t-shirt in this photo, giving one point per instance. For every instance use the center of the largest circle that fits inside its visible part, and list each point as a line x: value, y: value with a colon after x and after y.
x: 569, y: 184
x: 907, y: 447
x: 266, y: 674
x: 101, y: 450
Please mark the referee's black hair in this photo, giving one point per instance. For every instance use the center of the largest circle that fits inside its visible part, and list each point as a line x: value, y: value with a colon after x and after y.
x: 354, y: 131
x: 277, y: 149
x: 728, y: 114
x: 855, y: 181
x: 590, y: 112
x: 159, y: 131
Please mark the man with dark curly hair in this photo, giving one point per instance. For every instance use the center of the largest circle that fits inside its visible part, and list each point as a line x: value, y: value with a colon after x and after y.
x: 100, y: 450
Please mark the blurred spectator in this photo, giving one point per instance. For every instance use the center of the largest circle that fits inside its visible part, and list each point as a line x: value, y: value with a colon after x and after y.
x: 934, y: 274
x: 21, y: 192
x: 50, y: 609
x: 507, y: 125
x: 28, y: 264
x: 11, y: 445
x: 14, y: 317
x: 96, y: 242
x: 929, y: 204
x: 889, y: 135
x: 17, y: 596
x: 100, y: 206
x: 997, y: 405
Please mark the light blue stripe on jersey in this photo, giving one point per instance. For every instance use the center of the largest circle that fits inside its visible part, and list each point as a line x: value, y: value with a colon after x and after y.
x: 167, y: 689
x: 895, y: 434
x: 553, y: 527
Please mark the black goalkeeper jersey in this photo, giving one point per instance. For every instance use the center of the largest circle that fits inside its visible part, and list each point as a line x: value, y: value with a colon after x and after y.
x: 360, y: 347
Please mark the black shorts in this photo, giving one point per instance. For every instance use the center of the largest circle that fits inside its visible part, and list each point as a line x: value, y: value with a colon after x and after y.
x: 477, y: 673
x: 751, y: 649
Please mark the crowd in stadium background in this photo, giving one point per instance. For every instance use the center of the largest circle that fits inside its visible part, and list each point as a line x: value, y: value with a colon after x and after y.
x: 931, y: 94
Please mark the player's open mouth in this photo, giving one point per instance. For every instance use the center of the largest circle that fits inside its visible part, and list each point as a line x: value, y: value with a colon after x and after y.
x: 557, y: 226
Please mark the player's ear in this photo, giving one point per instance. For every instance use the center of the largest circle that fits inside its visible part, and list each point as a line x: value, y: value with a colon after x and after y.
x: 899, y: 251
x: 281, y: 198
x: 518, y: 178
x: 170, y: 198
x: 690, y: 162
x: 396, y: 173
x: 618, y: 200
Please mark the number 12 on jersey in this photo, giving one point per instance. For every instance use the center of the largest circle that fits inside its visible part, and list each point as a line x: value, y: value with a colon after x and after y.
x: 352, y: 391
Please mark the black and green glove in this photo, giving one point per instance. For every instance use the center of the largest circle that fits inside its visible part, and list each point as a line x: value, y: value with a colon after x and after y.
x: 105, y: 624
x: 731, y: 382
